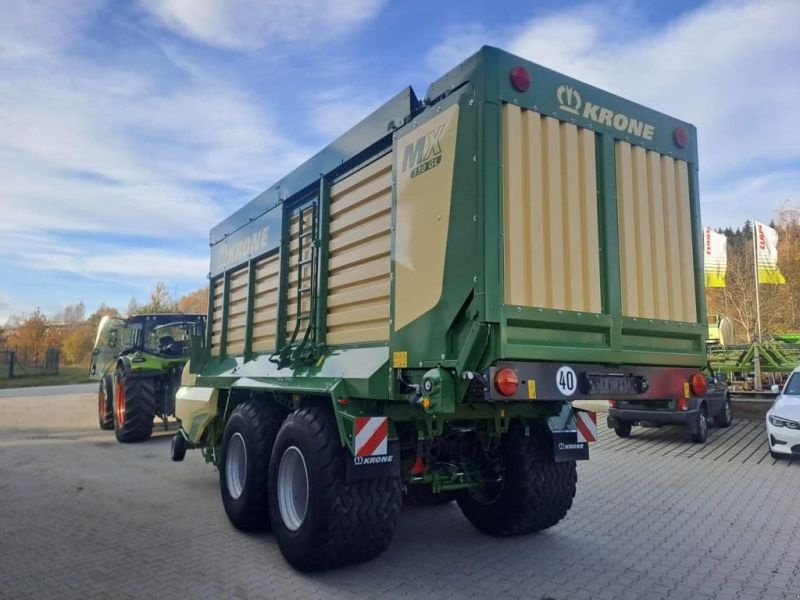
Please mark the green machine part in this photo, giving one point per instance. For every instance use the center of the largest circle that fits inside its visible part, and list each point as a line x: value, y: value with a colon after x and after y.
x: 439, y: 287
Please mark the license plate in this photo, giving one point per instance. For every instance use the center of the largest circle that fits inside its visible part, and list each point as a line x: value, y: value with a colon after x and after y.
x: 612, y: 385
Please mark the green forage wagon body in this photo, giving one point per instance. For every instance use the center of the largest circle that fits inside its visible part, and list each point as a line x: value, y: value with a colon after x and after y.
x: 413, y: 311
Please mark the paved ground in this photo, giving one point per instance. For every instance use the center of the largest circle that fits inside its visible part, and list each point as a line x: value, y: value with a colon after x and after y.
x: 49, y: 390
x: 655, y: 517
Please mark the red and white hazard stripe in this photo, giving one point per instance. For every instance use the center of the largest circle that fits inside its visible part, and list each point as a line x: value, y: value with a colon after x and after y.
x: 372, y: 436
x: 586, y: 424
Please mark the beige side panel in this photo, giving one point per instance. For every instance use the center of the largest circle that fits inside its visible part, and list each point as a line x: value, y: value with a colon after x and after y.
x: 685, y: 240
x: 425, y: 162
x: 237, y: 309
x: 216, y: 320
x: 654, y: 218
x: 265, y: 304
x: 359, y: 256
x: 551, y: 245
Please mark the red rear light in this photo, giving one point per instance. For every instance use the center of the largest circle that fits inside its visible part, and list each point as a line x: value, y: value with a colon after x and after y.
x: 520, y: 79
x: 506, y: 382
x: 682, y: 404
x: 612, y: 403
x: 681, y: 137
x: 698, y: 384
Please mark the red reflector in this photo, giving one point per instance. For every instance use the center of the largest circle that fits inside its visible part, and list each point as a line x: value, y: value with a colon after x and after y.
x: 681, y: 137
x: 506, y: 382
x: 683, y: 404
x: 419, y: 467
x: 698, y: 384
x: 520, y: 79
x: 612, y: 403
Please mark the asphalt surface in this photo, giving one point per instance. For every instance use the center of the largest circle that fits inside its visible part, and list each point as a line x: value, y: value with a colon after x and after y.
x: 49, y: 390
x: 655, y: 517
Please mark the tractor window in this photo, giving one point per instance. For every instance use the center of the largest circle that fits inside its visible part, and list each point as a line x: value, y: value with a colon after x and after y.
x: 170, y: 339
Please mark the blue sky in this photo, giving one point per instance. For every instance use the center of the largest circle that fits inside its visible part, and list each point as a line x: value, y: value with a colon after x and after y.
x: 129, y: 128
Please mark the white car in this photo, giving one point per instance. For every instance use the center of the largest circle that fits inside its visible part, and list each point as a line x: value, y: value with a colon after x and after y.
x: 783, y: 419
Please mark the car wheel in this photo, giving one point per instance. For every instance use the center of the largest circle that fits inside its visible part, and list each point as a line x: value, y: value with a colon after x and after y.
x: 701, y: 433
x: 726, y: 416
x: 623, y: 429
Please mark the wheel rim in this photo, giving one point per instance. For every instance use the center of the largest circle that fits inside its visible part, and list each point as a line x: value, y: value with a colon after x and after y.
x: 727, y: 411
x: 293, y: 488
x: 703, y: 424
x: 236, y: 465
x: 119, y: 401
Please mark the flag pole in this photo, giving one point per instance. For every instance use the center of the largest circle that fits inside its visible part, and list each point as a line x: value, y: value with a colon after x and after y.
x: 756, y: 356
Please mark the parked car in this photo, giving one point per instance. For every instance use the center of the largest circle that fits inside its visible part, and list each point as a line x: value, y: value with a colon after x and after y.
x: 783, y: 419
x: 708, y: 400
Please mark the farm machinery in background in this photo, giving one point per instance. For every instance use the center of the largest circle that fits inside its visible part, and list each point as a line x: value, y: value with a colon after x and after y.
x: 778, y: 355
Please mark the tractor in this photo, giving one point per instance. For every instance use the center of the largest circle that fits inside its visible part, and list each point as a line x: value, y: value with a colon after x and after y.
x: 138, y: 362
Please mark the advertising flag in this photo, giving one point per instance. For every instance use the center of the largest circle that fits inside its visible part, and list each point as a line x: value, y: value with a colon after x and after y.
x: 715, y: 257
x: 767, y: 254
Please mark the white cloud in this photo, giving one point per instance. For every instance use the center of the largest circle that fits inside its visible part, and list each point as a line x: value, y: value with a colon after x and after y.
x: 460, y: 41
x: 106, y: 261
x: 129, y: 148
x: 253, y: 24
x: 729, y: 204
x: 30, y: 29
x: 729, y: 68
x: 337, y: 109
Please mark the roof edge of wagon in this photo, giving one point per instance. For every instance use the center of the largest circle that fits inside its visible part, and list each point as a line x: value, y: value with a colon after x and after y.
x: 357, y: 141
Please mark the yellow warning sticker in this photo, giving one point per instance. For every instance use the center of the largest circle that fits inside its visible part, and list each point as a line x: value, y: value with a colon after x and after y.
x: 400, y: 360
x: 531, y: 389
x: 686, y: 393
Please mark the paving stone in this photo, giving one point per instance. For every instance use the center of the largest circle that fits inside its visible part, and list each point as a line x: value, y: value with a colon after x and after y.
x: 655, y: 517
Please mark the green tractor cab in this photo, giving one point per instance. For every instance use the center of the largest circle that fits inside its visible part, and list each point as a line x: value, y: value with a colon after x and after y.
x: 138, y: 362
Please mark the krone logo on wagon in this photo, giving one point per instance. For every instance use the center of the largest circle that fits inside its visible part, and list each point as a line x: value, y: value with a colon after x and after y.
x: 570, y: 100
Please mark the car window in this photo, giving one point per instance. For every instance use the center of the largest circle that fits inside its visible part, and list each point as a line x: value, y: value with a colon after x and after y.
x: 793, y: 385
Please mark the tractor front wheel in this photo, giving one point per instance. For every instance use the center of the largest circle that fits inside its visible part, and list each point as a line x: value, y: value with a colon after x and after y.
x: 105, y: 399
x: 134, y: 406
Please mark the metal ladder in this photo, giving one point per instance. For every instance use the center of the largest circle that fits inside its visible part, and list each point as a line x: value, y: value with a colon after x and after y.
x: 307, y: 239
x: 302, y: 265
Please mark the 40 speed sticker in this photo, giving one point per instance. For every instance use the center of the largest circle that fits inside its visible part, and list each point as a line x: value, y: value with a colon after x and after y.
x: 566, y: 381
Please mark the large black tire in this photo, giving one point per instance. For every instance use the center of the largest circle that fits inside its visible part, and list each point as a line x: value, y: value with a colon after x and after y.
x: 105, y: 406
x: 535, y: 492
x: 623, y: 429
x: 701, y: 427
x: 134, y: 407
x: 341, y: 523
x: 252, y: 426
x: 177, y: 449
x: 725, y: 417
